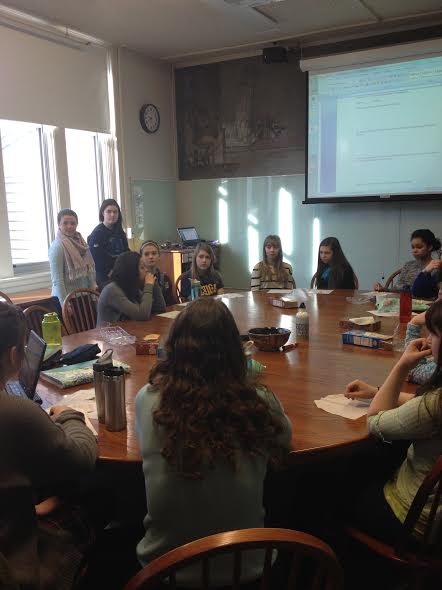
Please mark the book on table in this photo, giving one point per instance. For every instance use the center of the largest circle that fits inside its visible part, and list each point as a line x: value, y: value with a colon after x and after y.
x: 74, y: 375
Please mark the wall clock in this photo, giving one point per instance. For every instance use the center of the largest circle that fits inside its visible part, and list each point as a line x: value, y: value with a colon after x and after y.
x: 150, y: 118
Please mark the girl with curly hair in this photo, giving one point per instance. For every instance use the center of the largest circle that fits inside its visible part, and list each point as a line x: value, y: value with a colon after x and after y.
x: 207, y: 432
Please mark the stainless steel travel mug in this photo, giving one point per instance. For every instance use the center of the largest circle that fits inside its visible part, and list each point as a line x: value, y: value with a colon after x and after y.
x: 99, y: 391
x: 114, y: 399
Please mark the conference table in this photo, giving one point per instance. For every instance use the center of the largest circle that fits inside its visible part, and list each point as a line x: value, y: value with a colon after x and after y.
x: 313, y: 369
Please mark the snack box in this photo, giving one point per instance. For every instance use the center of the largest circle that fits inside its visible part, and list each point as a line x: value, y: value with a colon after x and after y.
x: 367, y: 339
x: 374, y: 326
x: 284, y: 302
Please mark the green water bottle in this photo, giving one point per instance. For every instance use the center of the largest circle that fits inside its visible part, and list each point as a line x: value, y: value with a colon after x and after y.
x: 51, y: 328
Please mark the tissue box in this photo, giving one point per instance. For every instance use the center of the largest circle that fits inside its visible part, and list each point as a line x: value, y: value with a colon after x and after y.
x: 374, y: 326
x: 367, y: 339
x: 284, y: 302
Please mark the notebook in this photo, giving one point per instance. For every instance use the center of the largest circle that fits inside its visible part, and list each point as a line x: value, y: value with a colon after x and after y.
x: 29, y: 370
x: 73, y: 375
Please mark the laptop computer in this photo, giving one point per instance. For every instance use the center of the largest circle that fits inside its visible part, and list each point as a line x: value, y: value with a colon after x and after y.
x: 29, y: 370
x: 189, y: 236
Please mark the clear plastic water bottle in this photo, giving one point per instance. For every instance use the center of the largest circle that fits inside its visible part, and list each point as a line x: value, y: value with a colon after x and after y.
x: 302, y: 323
x: 195, y: 289
x: 51, y: 329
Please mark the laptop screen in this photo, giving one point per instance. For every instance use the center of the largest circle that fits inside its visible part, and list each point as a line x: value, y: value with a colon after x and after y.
x: 188, y: 234
x: 30, y: 367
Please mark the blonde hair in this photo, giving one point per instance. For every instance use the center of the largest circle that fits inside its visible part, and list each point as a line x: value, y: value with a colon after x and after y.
x: 267, y: 271
x: 195, y: 273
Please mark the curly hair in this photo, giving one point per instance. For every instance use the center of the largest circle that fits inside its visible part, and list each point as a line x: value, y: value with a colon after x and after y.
x: 210, y: 409
x: 14, y: 331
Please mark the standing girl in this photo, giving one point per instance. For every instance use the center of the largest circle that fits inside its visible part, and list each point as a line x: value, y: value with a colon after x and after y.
x: 150, y: 253
x: 423, y: 244
x: 108, y: 240
x: 72, y: 266
x: 334, y: 271
x: 203, y: 271
x: 272, y: 272
x: 207, y: 432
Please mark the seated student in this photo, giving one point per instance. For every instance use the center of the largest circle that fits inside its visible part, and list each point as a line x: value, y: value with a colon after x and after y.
x: 39, y: 546
x: 395, y: 416
x: 207, y: 432
x: 108, y: 240
x: 426, y: 284
x: 423, y: 244
x: 202, y: 270
x: 132, y: 294
x: 272, y: 272
x: 334, y: 271
x: 150, y: 253
x: 72, y: 266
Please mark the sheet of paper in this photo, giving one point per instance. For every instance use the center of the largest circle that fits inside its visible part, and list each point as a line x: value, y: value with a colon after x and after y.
x: 183, y: 304
x: 279, y: 291
x: 170, y: 314
x: 231, y: 295
x: 319, y: 291
x: 370, y: 293
x: 341, y: 406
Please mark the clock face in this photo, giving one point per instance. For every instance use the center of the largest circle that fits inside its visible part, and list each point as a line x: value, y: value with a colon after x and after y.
x: 150, y: 118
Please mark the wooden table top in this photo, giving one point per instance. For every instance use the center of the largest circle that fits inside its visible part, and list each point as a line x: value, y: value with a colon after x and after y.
x: 316, y: 368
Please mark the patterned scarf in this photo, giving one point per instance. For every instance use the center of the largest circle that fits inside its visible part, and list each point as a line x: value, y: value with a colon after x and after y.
x: 78, y: 257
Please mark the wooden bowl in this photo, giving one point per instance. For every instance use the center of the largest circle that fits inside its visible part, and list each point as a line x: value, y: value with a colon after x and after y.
x: 268, y: 339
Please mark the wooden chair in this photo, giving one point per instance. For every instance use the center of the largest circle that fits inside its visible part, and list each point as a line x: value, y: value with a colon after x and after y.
x: 34, y: 317
x: 5, y: 298
x: 325, y: 570
x: 425, y: 560
x: 178, y: 295
x: 389, y: 284
x: 313, y: 281
x: 80, y: 310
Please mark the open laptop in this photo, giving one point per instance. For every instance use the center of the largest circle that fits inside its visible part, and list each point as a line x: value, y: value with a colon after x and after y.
x: 30, y: 370
x: 189, y: 236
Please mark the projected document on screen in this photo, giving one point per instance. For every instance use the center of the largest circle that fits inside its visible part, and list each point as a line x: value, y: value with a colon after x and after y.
x: 376, y: 130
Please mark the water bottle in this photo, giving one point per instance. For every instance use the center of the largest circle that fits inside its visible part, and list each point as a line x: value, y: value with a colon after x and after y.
x: 51, y: 329
x: 405, y: 305
x: 195, y: 289
x: 114, y: 399
x: 301, y: 323
x: 99, y: 390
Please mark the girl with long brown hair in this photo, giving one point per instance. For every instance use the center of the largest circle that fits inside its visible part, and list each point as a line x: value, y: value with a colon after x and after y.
x: 272, y: 272
x: 394, y: 416
x: 202, y: 270
x: 207, y: 431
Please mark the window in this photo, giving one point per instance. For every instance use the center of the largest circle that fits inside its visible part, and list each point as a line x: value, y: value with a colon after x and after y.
x: 28, y: 198
x: 91, y: 175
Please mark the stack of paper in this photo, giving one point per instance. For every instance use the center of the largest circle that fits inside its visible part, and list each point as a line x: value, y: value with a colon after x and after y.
x: 341, y: 406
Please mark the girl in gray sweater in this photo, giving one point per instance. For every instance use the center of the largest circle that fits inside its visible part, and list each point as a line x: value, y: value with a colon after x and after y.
x: 132, y: 294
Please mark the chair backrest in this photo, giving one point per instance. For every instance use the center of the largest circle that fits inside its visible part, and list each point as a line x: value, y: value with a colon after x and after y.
x: 34, y: 317
x: 432, y: 539
x: 310, y: 556
x: 389, y: 284
x: 80, y: 310
x: 178, y: 295
x: 5, y: 298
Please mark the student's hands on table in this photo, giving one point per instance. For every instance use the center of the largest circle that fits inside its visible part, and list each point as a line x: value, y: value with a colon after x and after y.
x: 359, y: 389
x: 55, y: 411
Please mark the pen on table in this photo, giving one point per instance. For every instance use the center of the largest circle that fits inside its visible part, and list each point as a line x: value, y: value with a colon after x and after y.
x: 288, y: 347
